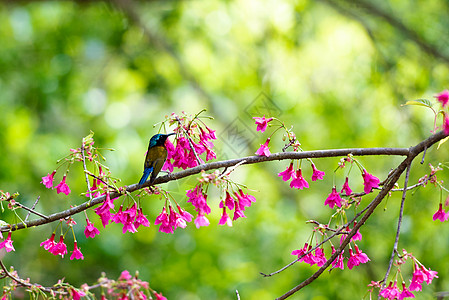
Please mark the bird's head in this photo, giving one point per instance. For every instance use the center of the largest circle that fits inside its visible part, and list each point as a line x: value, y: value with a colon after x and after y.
x: 159, y: 139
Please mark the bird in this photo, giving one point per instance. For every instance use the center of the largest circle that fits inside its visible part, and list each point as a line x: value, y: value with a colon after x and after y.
x: 155, y: 158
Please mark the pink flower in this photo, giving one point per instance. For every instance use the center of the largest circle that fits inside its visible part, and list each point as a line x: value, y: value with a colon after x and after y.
x: 48, y: 180
x: 333, y: 199
x: 357, y: 236
x: 159, y: 296
x: 443, y: 97
x: 298, y: 181
x: 319, y: 257
x: 76, y: 252
x: 175, y: 219
x: 362, y: 257
x: 303, y: 257
x: 317, y: 174
x: 49, y: 243
x: 229, y: 202
x: 129, y: 216
x: 238, y: 212
x: 369, y: 181
x: 244, y: 200
x: 264, y: 150
x: 346, y: 188
x: 391, y: 292
x: 184, y: 214
x: 262, y: 123
x: 90, y: 231
x: 405, y: 293
x: 125, y: 275
x: 225, y: 219
x: 164, y: 220
x: 141, y: 219
x: 60, y: 248
x: 62, y: 187
x: 446, y: 125
x: 76, y: 295
x: 288, y: 173
x: 94, y: 192
x: 198, y: 200
x: 7, y: 244
x: 429, y: 275
x: 201, y: 220
x: 352, y: 261
x: 440, y: 214
x: 338, y: 262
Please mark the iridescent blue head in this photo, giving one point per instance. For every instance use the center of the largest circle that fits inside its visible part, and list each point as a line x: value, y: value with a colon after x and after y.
x: 159, y: 139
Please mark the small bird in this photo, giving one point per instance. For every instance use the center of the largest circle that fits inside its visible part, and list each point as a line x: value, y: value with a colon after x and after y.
x: 156, y: 156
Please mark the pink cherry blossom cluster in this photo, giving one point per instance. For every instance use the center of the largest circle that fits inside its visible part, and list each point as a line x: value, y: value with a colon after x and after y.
x: 298, y: 181
x: 192, y: 140
x: 60, y: 248
x: 443, y: 98
x: 131, y: 218
x: 420, y: 275
x: 318, y: 257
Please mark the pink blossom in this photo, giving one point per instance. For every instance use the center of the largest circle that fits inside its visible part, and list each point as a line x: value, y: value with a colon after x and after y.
x: 352, y: 261
x: 159, y: 296
x: 201, y: 220
x: 298, y: 181
x: 141, y: 219
x: 164, y: 220
x: 49, y: 243
x: 118, y: 217
x: 262, y: 123
x: 238, y: 212
x: 357, y: 236
x: 362, y: 257
x: 225, y: 219
x: 90, y: 231
x: 94, y: 192
x: 7, y: 244
x: 264, y: 150
x: 76, y: 252
x: 62, y: 187
x: 338, y: 262
x: 346, y: 188
x: 317, y: 174
x: 48, y: 180
x: 443, y: 97
x: 125, y: 275
x: 60, y: 248
x: 429, y: 275
x: 76, y: 295
x: 104, y: 210
x: 184, y: 214
x: 440, y: 214
x: 228, y: 202
x: 319, y: 257
x: 175, y: 219
x: 198, y: 199
x: 405, y: 293
x: 391, y: 292
x: 288, y: 173
x: 244, y: 200
x: 369, y: 182
x: 303, y: 257
x: 333, y: 199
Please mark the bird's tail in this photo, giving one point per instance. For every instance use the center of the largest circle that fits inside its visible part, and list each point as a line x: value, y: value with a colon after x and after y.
x: 146, y: 173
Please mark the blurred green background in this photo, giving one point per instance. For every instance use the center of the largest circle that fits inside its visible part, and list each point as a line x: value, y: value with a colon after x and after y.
x: 337, y: 71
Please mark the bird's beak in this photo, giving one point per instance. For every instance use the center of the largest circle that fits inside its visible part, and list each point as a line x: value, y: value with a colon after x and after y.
x: 171, y: 134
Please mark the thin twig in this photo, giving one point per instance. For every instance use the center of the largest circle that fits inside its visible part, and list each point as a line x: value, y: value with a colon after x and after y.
x: 398, y: 231
x: 32, y: 207
x: 85, y: 172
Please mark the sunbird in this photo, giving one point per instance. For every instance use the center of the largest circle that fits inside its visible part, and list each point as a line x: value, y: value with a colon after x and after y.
x: 156, y: 156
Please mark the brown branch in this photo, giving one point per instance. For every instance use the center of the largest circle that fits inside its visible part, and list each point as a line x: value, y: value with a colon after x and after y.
x: 389, y: 184
x: 210, y: 166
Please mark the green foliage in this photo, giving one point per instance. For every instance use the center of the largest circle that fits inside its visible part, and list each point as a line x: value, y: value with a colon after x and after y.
x: 339, y: 79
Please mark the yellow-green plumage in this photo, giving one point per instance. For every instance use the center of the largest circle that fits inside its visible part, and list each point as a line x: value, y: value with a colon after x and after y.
x: 155, y: 158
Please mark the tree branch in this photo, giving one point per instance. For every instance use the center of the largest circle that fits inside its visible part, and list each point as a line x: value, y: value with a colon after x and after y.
x: 209, y: 166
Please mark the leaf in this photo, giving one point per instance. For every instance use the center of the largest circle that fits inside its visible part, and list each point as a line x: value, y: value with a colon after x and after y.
x: 442, y: 142
x: 419, y: 102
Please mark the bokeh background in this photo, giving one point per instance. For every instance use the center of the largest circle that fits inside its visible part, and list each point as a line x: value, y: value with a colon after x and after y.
x: 337, y: 71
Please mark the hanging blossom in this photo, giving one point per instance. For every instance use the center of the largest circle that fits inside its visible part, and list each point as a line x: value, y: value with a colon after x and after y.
x: 48, y: 180
x: 346, y: 188
x: 76, y: 254
x: 7, y: 244
x: 298, y: 181
x: 262, y: 123
x: 440, y: 214
x: 369, y: 182
x: 317, y: 174
x: 62, y: 187
x: 264, y: 150
x: 90, y: 231
x: 288, y: 173
x: 333, y: 199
